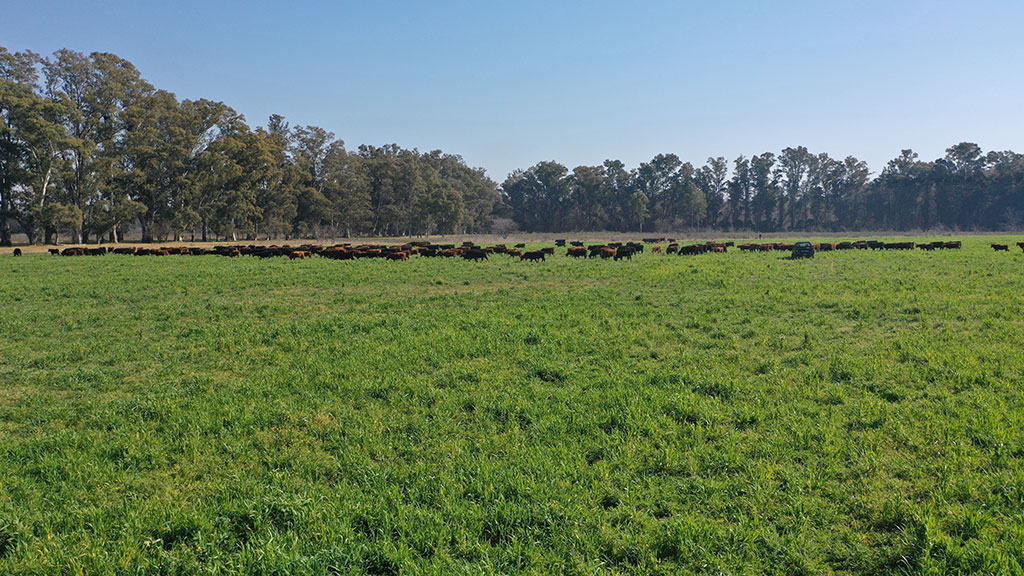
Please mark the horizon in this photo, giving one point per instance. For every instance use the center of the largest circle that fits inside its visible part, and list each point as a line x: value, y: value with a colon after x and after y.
x: 508, y: 87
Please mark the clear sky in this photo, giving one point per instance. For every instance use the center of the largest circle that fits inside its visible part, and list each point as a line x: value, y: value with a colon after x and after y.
x: 509, y: 84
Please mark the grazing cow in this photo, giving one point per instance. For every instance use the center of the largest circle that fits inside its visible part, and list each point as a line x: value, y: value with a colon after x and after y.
x: 953, y: 245
x: 548, y: 250
x: 1020, y: 245
x: 533, y: 256
x: 475, y: 254
x: 1001, y: 247
x: 576, y: 243
x: 672, y: 249
x: 624, y: 252
x: 298, y: 254
x: 577, y: 252
x: 54, y: 251
x: 514, y: 253
x: 606, y: 253
x: 17, y: 251
x: 656, y: 250
x: 560, y: 243
x: 520, y: 245
x: 403, y: 255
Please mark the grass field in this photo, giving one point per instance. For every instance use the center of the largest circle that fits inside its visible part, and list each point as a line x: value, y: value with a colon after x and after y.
x: 858, y: 413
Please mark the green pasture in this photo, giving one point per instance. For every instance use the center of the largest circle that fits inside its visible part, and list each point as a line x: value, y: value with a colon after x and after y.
x: 857, y: 413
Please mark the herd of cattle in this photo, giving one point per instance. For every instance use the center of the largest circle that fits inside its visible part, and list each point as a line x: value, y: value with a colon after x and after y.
x: 472, y: 251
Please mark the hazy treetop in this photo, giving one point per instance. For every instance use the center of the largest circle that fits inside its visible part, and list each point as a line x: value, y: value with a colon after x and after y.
x: 509, y: 84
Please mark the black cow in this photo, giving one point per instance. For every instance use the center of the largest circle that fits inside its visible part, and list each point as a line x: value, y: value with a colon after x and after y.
x: 475, y: 254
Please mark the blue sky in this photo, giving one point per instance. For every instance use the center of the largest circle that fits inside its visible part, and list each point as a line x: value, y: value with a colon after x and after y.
x: 507, y: 85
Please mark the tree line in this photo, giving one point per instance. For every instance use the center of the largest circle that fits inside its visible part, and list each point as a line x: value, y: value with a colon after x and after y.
x: 965, y: 190
x: 90, y: 150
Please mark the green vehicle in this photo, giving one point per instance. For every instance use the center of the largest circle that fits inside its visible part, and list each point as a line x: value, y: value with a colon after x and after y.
x: 803, y: 250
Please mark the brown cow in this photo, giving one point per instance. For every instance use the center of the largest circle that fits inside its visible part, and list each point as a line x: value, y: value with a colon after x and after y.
x: 656, y: 250
x: 577, y: 252
x: 403, y: 255
x: 298, y: 254
x: 606, y: 253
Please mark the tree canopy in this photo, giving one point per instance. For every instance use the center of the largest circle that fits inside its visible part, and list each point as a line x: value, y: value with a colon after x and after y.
x: 90, y: 150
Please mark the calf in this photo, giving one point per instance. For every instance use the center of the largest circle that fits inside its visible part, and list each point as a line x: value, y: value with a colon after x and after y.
x: 17, y: 251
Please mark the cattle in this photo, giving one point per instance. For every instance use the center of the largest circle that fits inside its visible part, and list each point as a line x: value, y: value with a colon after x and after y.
x: 899, y: 246
x: 54, y: 251
x: 952, y: 245
x: 577, y: 252
x: 298, y: 254
x: 475, y: 254
x: 656, y: 250
x: 549, y: 250
x: 514, y: 253
x: 606, y: 253
x: 533, y: 256
x: 624, y: 252
x: 17, y: 252
x: 1020, y: 245
x: 520, y: 245
x: 672, y: 249
x: 1001, y: 247
x: 560, y: 243
x: 576, y: 243
x: 402, y: 255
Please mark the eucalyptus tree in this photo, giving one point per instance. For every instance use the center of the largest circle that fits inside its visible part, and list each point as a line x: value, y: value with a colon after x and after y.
x: 538, y: 196
x: 712, y: 180
x: 32, y: 138
x: 100, y: 88
x: 739, y: 194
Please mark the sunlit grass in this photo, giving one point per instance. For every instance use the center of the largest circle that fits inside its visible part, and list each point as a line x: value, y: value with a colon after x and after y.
x: 860, y: 412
